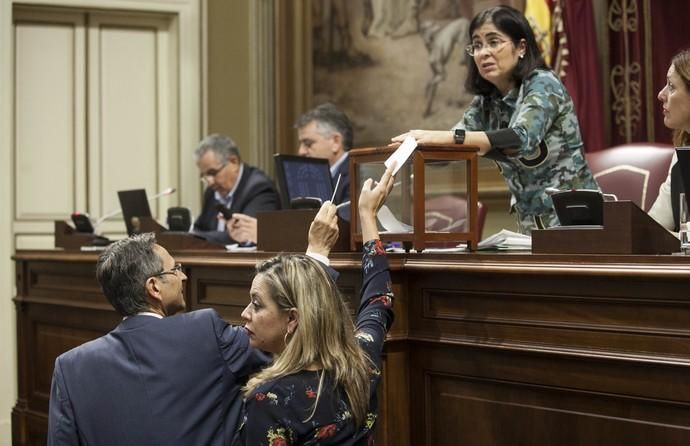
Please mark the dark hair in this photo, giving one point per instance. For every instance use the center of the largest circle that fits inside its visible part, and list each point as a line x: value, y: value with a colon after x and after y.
x: 328, y: 120
x: 681, y: 65
x: 512, y: 23
x: 223, y: 146
x: 122, y: 270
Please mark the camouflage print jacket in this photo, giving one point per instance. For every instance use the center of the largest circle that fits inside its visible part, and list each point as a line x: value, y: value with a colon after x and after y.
x: 539, y: 119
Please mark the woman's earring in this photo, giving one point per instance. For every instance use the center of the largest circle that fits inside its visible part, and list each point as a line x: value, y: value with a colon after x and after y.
x: 522, y: 56
x: 285, y: 338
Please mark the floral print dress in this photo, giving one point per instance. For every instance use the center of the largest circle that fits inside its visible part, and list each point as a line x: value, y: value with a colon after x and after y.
x: 276, y: 411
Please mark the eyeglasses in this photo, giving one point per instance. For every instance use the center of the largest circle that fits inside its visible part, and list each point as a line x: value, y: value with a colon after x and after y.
x: 174, y: 270
x: 493, y: 45
x: 212, y: 173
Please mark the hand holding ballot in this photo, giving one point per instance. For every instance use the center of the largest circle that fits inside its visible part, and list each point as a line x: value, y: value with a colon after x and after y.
x: 401, y: 154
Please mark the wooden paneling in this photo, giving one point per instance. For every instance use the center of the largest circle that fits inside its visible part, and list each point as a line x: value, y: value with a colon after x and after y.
x: 130, y: 95
x: 504, y: 397
x: 59, y: 306
x: 486, y: 349
x: 222, y: 289
x: 539, y: 308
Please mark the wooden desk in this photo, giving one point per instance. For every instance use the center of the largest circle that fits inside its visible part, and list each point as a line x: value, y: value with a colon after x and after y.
x: 486, y: 349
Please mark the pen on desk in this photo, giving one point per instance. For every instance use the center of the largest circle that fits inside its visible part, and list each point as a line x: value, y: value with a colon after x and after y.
x: 343, y: 204
x: 335, y: 189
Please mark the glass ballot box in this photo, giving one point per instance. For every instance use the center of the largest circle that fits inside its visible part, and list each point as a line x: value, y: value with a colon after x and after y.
x: 434, y: 198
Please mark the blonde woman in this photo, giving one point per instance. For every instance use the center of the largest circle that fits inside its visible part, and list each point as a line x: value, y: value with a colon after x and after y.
x: 675, y: 102
x: 321, y: 386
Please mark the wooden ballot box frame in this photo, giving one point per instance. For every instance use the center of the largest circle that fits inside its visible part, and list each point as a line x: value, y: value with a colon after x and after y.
x: 627, y: 229
x: 419, y: 238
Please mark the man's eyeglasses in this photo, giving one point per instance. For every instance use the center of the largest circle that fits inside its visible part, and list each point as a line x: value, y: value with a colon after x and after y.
x: 493, y: 45
x: 174, y: 270
x: 211, y: 173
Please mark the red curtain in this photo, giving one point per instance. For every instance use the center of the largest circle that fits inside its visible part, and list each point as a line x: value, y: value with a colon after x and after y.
x: 644, y: 35
x: 583, y: 72
x: 669, y: 24
x: 572, y: 49
x: 628, y: 71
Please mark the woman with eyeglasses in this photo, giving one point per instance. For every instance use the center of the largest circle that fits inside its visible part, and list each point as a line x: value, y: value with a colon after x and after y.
x: 522, y: 117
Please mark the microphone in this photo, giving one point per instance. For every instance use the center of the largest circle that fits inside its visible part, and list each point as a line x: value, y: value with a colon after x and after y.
x: 163, y: 193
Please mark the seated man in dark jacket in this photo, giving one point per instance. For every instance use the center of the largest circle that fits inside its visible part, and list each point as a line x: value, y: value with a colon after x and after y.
x: 232, y: 187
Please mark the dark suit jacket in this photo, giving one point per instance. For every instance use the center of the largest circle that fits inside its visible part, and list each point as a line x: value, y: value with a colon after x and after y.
x: 343, y: 192
x: 255, y: 192
x: 171, y: 381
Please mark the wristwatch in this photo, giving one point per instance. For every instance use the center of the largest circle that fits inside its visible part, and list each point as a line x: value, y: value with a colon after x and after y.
x: 459, y: 135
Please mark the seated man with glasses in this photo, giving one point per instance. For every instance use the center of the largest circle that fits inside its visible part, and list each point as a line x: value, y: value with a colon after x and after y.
x: 232, y: 187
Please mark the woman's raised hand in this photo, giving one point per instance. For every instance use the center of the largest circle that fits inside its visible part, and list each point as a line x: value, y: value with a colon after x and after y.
x: 371, y: 198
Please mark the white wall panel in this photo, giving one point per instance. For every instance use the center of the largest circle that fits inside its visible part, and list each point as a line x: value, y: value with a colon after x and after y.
x: 129, y: 133
x: 49, y: 128
x: 46, y: 153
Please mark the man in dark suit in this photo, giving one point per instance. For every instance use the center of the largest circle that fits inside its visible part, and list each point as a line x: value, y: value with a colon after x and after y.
x: 159, y: 378
x: 326, y: 132
x: 233, y: 187
x: 153, y: 380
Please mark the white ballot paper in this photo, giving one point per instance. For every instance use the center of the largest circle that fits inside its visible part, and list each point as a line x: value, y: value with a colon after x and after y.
x: 401, y: 154
x: 506, y: 241
x: 390, y: 223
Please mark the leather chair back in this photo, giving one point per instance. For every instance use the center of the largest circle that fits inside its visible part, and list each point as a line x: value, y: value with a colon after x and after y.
x: 449, y: 213
x: 632, y: 171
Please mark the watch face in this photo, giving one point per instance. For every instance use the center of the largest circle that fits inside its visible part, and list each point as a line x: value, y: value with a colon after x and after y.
x: 459, y: 136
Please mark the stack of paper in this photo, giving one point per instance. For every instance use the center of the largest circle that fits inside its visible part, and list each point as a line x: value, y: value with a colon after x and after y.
x: 506, y: 241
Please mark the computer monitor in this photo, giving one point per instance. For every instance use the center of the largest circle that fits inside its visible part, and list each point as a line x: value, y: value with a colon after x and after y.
x: 134, y: 205
x: 300, y: 177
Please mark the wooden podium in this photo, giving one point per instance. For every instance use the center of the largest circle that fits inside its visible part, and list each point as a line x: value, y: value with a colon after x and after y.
x: 627, y: 229
x: 68, y: 238
x: 287, y: 230
x: 176, y: 240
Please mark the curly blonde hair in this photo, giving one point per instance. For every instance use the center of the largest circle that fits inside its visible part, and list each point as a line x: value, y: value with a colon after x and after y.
x: 325, y: 333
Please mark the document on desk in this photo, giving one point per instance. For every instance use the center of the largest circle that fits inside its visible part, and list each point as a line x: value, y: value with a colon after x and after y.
x: 236, y: 247
x: 506, y: 240
x: 401, y: 154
